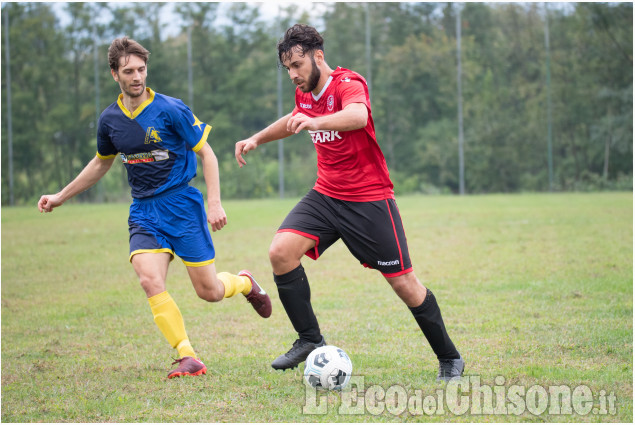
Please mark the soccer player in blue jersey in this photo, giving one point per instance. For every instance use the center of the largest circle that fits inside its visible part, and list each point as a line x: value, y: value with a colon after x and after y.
x: 157, y: 138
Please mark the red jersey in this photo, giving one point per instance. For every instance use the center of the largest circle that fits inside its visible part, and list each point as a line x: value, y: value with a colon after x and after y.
x: 350, y: 164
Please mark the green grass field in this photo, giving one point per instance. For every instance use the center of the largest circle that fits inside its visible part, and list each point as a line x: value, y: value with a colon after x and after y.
x: 536, y: 292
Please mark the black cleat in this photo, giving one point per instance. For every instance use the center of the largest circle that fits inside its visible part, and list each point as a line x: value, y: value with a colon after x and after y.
x: 450, y: 369
x: 296, y: 355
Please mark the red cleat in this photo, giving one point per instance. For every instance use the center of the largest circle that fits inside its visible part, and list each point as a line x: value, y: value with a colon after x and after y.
x: 188, y: 366
x: 257, y: 297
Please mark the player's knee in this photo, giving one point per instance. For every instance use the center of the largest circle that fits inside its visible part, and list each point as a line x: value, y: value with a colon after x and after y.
x: 152, y: 285
x: 277, y: 254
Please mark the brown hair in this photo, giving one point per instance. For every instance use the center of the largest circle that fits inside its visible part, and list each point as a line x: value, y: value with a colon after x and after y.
x: 304, y: 36
x: 124, y: 47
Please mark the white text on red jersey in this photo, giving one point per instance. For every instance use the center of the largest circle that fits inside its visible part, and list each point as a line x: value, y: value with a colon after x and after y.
x: 323, y: 136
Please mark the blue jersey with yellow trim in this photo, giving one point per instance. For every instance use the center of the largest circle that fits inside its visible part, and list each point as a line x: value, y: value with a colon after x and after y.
x: 157, y: 142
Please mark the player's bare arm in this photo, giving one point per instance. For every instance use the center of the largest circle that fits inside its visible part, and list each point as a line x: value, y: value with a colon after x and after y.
x: 216, y: 216
x: 276, y: 131
x: 90, y: 175
x: 354, y: 116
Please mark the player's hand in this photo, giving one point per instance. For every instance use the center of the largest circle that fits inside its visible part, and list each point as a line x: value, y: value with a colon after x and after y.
x: 242, y: 148
x: 299, y: 122
x: 216, y: 216
x: 48, y: 202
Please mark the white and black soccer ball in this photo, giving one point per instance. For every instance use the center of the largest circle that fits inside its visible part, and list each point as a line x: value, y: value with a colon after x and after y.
x: 328, y: 368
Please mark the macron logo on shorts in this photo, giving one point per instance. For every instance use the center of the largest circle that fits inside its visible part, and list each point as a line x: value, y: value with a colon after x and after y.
x: 388, y: 263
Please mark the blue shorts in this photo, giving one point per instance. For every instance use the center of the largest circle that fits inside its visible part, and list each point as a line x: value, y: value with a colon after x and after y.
x: 174, y: 222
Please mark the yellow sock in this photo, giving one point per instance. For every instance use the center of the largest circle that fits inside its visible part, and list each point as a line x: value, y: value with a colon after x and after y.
x: 168, y: 318
x: 234, y: 284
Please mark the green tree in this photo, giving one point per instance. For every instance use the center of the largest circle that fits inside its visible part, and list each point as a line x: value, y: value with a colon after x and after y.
x: 413, y: 69
x: 40, y: 84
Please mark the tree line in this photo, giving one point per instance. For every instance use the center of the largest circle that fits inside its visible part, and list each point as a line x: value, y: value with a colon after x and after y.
x: 60, y: 82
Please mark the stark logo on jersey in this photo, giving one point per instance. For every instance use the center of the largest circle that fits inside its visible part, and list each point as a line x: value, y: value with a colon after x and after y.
x: 322, y: 136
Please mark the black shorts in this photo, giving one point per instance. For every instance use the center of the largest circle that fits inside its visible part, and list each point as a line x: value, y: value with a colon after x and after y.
x: 372, y: 231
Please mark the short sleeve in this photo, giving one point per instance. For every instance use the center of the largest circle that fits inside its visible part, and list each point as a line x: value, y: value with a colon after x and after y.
x: 105, y: 147
x: 352, y: 91
x: 189, y: 127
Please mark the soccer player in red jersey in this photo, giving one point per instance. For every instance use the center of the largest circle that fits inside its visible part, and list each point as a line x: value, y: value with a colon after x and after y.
x: 352, y: 199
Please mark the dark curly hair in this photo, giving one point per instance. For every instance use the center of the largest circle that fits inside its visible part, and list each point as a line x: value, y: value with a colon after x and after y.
x: 304, y: 36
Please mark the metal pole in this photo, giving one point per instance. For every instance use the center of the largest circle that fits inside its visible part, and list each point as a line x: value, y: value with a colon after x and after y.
x: 10, y: 119
x: 460, y: 101
x: 369, y: 75
x: 190, y: 88
x: 96, y: 59
x: 100, y: 185
x: 280, y: 142
x: 549, y: 117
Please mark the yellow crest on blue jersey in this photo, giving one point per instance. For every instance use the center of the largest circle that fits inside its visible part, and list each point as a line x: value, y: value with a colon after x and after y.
x: 152, y: 136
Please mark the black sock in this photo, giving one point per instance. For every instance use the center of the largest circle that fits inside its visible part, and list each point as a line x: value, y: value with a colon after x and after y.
x: 428, y: 316
x: 295, y: 295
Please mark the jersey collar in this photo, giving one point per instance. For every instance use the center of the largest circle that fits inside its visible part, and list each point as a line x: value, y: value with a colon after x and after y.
x: 135, y: 114
x: 326, y: 85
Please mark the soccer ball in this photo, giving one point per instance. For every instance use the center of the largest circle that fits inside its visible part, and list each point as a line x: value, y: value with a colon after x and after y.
x: 328, y: 368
